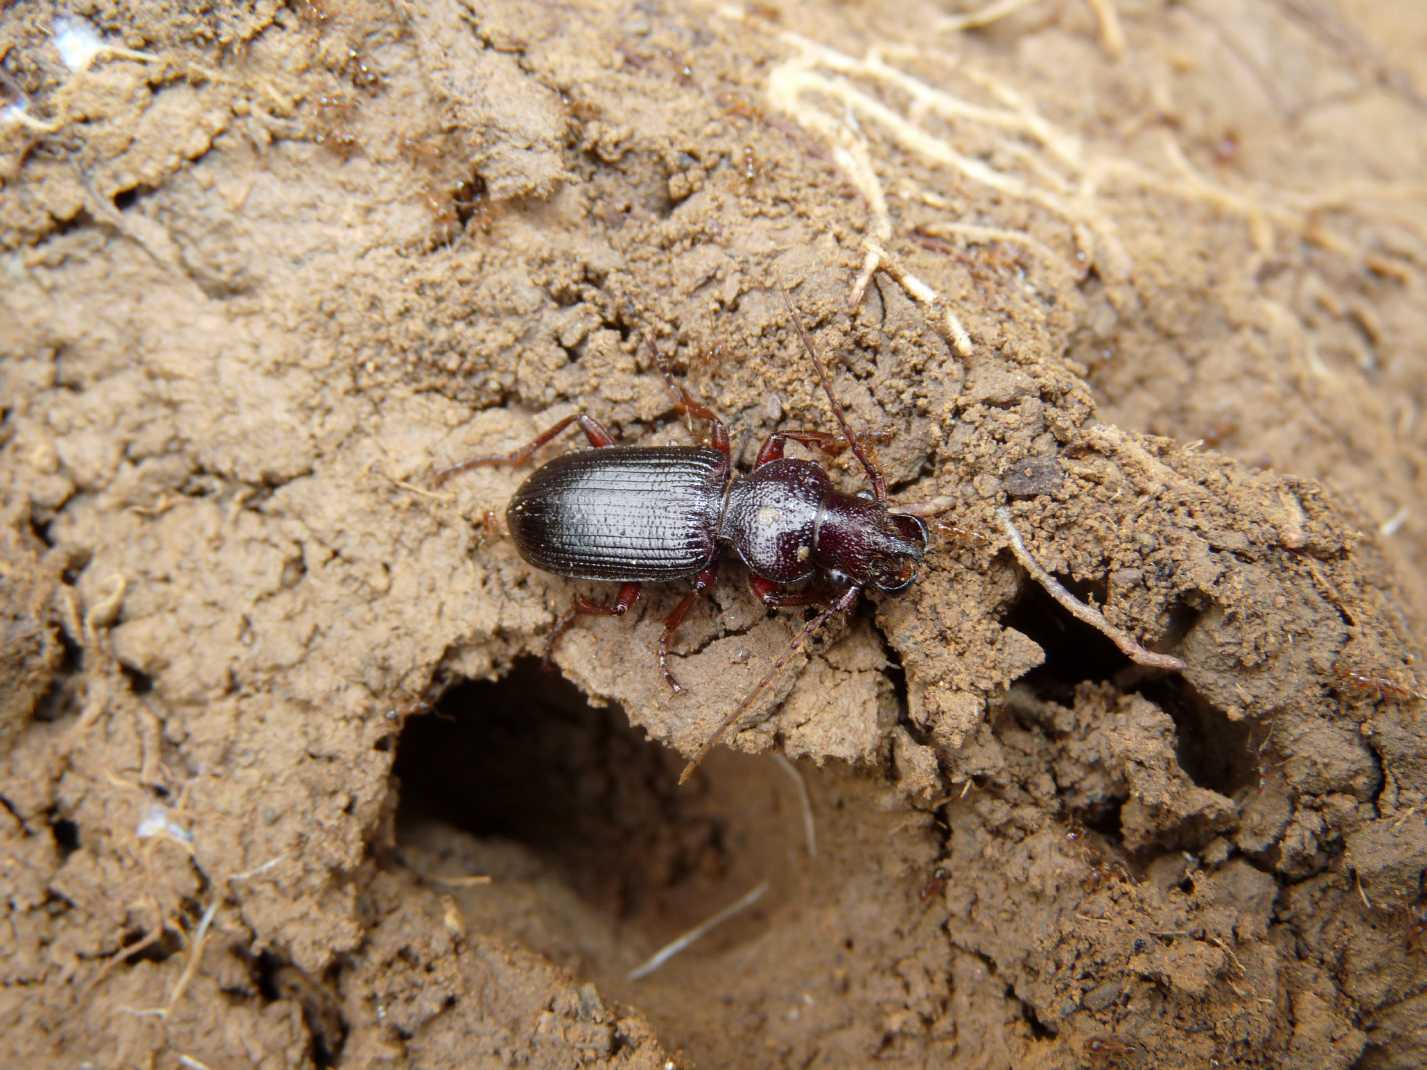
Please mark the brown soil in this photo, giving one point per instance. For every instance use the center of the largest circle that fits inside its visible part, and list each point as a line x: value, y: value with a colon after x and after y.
x: 270, y: 711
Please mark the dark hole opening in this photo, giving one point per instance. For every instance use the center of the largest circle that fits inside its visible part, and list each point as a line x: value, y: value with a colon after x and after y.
x: 527, y: 760
x: 1215, y: 752
x: 126, y: 198
x: 63, y: 695
x: 140, y: 683
x: 1074, y: 652
x: 1103, y: 816
x: 41, y: 530
x: 468, y: 199
x: 1039, y: 1029
x: 167, y: 944
x: 66, y: 836
x: 276, y: 978
x: 265, y: 968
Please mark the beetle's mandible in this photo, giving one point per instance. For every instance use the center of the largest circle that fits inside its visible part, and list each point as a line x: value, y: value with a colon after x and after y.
x: 648, y: 514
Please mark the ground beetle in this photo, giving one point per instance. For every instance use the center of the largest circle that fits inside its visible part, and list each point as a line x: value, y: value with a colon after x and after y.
x: 649, y: 514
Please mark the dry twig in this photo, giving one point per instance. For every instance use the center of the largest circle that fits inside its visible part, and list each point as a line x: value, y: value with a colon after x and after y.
x: 669, y: 950
x: 810, y: 832
x: 981, y: 17
x: 1079, y: 610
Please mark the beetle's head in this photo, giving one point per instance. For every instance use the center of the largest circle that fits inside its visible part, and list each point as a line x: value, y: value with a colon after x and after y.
x: 863, y: 544
x: 903, y: 544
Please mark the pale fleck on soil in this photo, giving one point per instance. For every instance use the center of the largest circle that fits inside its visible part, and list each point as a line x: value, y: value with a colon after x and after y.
x: 269, y: 705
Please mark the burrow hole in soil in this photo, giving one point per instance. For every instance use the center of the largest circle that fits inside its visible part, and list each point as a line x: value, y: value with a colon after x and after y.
x: 525, y: 762
x: 1215, y: 752
x: 596, y: 856
x: 1074, y: 652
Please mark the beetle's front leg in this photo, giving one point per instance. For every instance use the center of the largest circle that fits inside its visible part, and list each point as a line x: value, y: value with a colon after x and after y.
x: 689, y: 405
x: 628, y: 595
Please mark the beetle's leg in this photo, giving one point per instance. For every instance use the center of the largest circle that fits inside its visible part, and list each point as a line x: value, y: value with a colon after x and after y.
x: 842, y: 605
x: 593, y: 429
x: 702, y: 582
x: 830, y: 444
x: 628, y: 595
x: 691, y: 406
x: 772, y: 449
x: 775, y: 596
x: 492, y: 526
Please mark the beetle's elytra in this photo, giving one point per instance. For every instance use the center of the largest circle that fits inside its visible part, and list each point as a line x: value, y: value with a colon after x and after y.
x: 625, y: 513
x: 652, y: 514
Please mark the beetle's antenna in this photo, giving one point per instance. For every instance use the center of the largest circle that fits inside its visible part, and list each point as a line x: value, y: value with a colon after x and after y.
x: 879, y: 484
x: 842, y: 605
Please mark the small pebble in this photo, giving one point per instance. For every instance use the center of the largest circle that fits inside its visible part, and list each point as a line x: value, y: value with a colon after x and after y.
x: 1033, y: 476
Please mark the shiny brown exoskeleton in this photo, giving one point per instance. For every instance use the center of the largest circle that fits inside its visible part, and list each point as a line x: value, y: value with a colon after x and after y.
x: 651, y: 514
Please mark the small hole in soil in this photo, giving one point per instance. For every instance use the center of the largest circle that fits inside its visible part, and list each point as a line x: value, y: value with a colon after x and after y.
x: 276, y: 978
x: 63, y: 695
x: 1215, y: 752
x: 265, y: 968
x: 1184, y: 616
x: 41, y: 531
x: 167, y: 944
x: 1074, y: 652
x: 468, y: 199
x: 66, y: 836
x: 1103, y: 816
x: 141, y: 683
x: 1039, y: 1029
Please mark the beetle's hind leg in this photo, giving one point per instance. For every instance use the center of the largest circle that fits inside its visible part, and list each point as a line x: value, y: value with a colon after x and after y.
x: 593, y: 429
x: 627, y: 596
x: 702, y: 582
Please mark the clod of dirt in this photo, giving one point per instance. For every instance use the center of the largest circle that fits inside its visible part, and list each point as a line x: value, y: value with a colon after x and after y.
x: 30, y: 647
x: 1033, y: 476
x: 1138, y: 764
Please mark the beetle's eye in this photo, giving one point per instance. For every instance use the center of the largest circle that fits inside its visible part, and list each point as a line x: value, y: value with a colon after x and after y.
x: 895, y: 574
